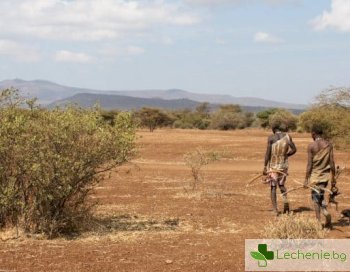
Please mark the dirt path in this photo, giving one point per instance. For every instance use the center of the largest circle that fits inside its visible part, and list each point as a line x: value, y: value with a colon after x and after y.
x: 156, y: 224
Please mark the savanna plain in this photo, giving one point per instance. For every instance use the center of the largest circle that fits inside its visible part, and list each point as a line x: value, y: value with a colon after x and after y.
x: 148, y: 217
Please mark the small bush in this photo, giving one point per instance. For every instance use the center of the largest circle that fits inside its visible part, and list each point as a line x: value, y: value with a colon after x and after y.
x: 196, y: 160
x: 294, y: 226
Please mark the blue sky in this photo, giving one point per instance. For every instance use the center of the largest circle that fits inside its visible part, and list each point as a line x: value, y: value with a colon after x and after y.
x: 286, y: 50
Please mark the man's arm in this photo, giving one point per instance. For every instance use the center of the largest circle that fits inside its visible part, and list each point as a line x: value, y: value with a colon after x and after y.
x: 267, y: 155
x: 292, y: 147
x: 332, y: 164
x: 309, y: 164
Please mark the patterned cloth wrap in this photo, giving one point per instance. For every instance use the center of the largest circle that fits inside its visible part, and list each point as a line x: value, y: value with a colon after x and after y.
x: 278, y: 165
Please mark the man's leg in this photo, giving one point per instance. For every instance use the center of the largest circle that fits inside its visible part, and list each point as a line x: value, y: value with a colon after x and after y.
x: 283, y: 189
x: 317, y: 204
x: 274, y: 199
x: 323, y: 205
x: 285, y: 199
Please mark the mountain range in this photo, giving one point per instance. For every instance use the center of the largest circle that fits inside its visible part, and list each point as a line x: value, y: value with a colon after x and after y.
x: 51, y: 94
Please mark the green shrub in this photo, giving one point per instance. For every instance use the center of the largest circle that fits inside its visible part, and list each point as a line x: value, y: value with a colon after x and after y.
x: 188, y: 119
x: 332, y: 111
x: 50, y: 161
x: 285, y: 119
x: 231, y: 117
x: 264, y: 116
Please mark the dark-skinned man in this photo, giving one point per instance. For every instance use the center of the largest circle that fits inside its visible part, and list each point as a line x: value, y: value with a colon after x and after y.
x: 320, y: 171
x: 280, y: 146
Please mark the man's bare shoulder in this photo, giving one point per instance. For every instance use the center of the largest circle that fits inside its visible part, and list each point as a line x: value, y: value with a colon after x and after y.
x: 271, y: 137
x: 312, y: 146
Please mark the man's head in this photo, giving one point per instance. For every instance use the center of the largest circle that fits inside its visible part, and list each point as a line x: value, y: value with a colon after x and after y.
x: 317, y: 130
x: 278, y: 126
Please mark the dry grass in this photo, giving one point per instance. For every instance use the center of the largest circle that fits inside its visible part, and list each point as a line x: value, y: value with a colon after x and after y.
x: 294, y: 226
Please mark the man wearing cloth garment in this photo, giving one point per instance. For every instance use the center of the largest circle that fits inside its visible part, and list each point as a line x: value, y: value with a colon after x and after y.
x: 320, y: 170
x: 280, y: 146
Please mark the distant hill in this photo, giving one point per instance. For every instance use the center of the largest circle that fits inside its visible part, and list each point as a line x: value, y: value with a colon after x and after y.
x: 49, y: 92
x: 211, y: 98
x: 110, y: 101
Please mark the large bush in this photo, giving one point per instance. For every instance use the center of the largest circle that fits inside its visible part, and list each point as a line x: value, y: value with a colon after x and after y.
x: 188, y: 119
x: 285, y: 119
x: 263, y: 117
x: 51, y: 159
x: 332, y: 111
x: 231, y: 117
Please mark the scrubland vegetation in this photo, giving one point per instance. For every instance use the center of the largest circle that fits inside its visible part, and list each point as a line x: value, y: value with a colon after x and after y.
x: 50, y: 160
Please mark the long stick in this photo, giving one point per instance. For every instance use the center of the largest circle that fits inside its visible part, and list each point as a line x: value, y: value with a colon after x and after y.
x: 293, y: 189
x: 254, y: 179
x: 300, y: 187
x: 261, y: 175
x: 325, y: 189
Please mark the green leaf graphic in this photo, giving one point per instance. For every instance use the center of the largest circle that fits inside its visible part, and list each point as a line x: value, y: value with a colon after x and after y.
x: 260, y: 257
x: 257, y: 255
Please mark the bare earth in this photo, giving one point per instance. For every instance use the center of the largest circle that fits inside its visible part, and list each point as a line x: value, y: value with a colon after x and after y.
x: 155, y: 223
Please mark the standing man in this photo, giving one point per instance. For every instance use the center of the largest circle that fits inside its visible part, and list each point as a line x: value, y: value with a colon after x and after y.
x: 320, y: 170
x: 280, y: 146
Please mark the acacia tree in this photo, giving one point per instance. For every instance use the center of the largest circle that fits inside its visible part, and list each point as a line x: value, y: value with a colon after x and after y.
x: 153, y: 118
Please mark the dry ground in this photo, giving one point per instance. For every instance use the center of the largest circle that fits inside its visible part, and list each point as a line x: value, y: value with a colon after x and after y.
x: 152, y: 222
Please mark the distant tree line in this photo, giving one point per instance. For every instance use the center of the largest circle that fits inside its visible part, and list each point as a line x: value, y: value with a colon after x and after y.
x: 226, y: 117
x: 331, y: 108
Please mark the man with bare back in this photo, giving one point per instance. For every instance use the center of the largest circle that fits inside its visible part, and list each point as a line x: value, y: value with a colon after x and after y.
x: 280, y: 146
x: 320, y: 171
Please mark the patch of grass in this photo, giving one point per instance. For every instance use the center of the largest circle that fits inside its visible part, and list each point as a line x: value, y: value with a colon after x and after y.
x: 294, y: 226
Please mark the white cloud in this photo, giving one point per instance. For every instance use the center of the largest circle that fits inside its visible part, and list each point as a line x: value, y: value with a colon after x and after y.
x: 18, y: 51
x: 68, y: 56
x: 338, y: 17
x: 87, y: 20
x: 264, y: 37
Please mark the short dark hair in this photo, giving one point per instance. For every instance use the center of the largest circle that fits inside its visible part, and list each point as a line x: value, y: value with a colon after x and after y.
x: 317, y: 128
x: 278, y: 126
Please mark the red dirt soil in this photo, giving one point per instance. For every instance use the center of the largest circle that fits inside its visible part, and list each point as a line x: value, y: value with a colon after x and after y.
x: 160, y: 225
